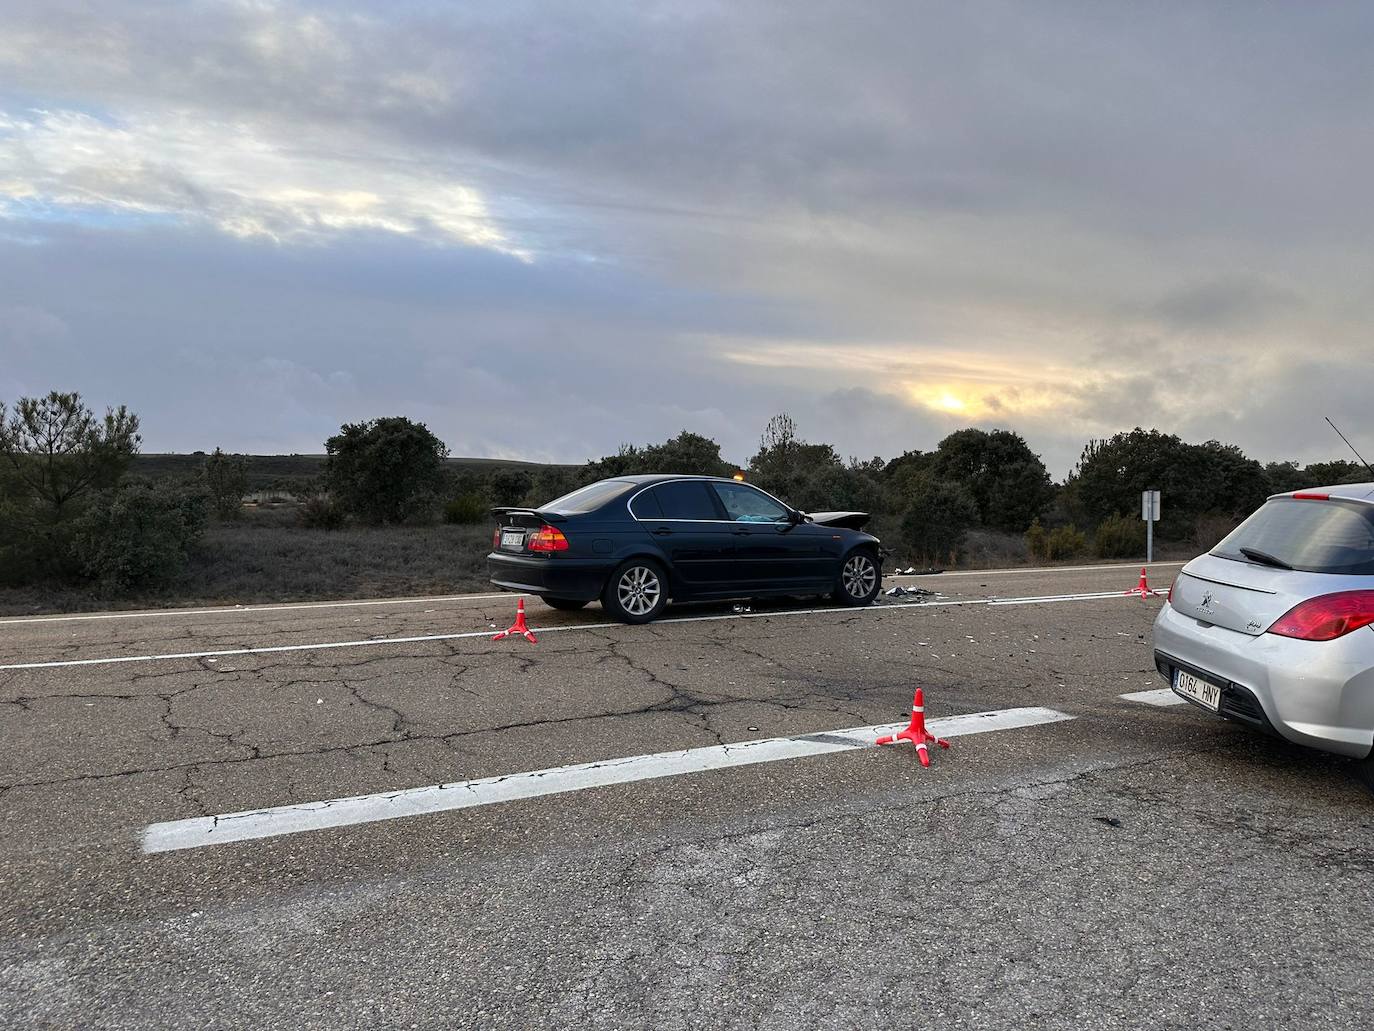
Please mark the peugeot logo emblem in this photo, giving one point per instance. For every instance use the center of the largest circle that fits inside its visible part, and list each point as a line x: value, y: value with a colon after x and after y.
x: 1206, y: 603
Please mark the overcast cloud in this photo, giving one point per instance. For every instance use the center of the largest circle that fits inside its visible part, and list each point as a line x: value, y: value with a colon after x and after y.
x: 546, y: 229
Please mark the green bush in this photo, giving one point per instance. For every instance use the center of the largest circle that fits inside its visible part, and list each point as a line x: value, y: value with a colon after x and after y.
x: 1036, y: 540
x: 385, y: 471
x: 138, y: 534
x: 1120, y: 536
x: 226, y: 478
x: 938, y: 518
x: 466, y: 509
x: 509, y: 486
x: 1065, y: 542
x: 321, y: 513
x: 17, y: 537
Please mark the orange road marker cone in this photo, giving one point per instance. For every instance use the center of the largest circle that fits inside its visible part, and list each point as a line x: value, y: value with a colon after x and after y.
x: 519, y: 626
x: 1142, y: 588
x: 916, y: 731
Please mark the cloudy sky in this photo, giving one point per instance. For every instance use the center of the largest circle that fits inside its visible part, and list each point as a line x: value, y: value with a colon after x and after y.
x: 548, y: 228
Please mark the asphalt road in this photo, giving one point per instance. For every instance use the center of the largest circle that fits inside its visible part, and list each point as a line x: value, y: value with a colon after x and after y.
x: 1133, y: 866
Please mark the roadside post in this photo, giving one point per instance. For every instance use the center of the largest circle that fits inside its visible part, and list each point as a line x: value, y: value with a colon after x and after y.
x: 1149, y: 511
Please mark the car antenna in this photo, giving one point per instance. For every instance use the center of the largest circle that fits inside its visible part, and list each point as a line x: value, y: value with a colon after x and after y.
x: 1349, y: 445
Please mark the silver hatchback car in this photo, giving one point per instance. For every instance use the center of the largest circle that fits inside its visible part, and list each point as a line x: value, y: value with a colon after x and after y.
x: 1275, y: 626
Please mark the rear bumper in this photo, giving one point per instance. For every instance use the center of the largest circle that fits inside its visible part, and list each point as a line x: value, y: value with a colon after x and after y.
x: 1319, y: 694
x: 561, y: 577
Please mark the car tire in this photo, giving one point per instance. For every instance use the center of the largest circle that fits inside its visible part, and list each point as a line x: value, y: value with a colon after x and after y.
x: 566, y: 604
x: 637, y: 592
x: 860, y: 579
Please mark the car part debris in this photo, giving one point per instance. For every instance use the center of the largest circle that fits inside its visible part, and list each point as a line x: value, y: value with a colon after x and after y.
x: 908, y: 592
x: 848, y: 520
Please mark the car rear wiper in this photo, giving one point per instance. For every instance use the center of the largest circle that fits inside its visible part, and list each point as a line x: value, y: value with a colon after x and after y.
x: 1264, y: 558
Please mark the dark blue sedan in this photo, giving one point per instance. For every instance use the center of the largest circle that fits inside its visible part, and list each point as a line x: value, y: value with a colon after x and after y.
x: 637, y: 541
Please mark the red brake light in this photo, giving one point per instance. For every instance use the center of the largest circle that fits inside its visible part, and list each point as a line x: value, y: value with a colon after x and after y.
x: 1169, y: 598
x: 1307, y: 495
x: 1328, y: 617
x: 495, y: 538
x: 548, y: 538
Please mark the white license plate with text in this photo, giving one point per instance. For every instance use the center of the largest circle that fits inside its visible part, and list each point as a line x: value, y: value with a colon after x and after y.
x: 1205, y: 693
x: 512, y: 538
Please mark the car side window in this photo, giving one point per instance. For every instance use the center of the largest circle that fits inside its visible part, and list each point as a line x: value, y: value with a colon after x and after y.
x: 685, y: 499
x: 646, y: 506
x: 749, y: 504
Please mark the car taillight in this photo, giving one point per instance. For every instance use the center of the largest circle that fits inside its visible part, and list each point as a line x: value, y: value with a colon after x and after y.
x: 495, y: 538
x: 1328, y: 617
x: 548, y: 538
x: 1169, y: 598
x: 1307, y: 495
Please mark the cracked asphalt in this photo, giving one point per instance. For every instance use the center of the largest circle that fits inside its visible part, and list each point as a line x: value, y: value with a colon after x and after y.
x: 1137, y: 866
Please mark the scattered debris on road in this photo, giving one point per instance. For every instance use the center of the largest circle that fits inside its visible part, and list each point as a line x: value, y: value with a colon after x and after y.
x: 909, y: 592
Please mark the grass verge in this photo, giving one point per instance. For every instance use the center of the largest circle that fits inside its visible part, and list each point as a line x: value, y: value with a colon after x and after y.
x: 258, y: 560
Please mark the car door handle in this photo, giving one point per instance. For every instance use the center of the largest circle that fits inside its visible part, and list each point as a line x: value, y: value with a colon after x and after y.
x: 740, y: 533
x: 663, y: 531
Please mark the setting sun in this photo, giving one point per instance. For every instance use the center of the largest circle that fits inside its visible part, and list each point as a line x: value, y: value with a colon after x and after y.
x: 950, y: 403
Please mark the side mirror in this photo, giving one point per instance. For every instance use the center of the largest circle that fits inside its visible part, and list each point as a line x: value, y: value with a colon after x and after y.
x: 796, y: 517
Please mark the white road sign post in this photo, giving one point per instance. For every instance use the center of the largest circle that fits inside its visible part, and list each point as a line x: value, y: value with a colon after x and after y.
x: 1149, y: 511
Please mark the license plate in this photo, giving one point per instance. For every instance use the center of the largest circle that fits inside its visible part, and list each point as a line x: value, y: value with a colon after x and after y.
x: 1206, y: 694
x: 512, y: 538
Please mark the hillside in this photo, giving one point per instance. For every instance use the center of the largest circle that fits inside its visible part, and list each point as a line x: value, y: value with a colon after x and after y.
x: 266, y: 471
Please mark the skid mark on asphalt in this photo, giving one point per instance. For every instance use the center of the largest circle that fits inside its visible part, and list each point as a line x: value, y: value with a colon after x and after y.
x: 200, y: 832
x: 1162, y: 697
x: 843, y: 613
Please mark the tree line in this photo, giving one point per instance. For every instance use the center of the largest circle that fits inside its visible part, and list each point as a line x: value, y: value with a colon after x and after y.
x: 70, y: 512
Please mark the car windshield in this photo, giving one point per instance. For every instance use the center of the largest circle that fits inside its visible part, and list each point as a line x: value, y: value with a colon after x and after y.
x: 588, y: 498
x: 1311, y: 536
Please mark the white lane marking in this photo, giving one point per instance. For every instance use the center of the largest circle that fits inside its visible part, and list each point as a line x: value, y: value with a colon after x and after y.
x: 306, y: 605
x: 1162, y: 697
x: 1051, y: 599
x: 201, y: 831
x: 375, y: 641
x: 238, y: 609
x: 1035, y: 569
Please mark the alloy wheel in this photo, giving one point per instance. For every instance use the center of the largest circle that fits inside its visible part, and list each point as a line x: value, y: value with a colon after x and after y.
x: 638, y: 590
x: 859, y: 576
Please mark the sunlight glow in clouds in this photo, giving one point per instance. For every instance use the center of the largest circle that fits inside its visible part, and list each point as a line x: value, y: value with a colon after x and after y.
x: 234, y: 176
x: 893, y: 219
x: 945, y: 382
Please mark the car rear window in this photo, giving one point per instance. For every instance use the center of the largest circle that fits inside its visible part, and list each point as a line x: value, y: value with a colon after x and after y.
x: 687, y: 499
x: 588, y: 498
x: 1311, y: 536
x: 645, y: 505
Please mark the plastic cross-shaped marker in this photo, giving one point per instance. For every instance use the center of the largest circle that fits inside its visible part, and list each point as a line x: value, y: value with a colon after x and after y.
x: 519, y: 626
x: 1142, y: 588
x: 916, y: 731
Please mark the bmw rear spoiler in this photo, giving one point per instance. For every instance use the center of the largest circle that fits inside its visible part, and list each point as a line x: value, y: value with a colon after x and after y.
x: 502, y: 513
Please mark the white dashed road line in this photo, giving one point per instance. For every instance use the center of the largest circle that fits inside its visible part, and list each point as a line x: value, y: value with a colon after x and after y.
x: 378, y: 641
x: 1162, y: 697
x: 1051, y: 599
x: 1018, y: 570
x: 307, y: 605
x: 201, y: 831
x: 237, y: 610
